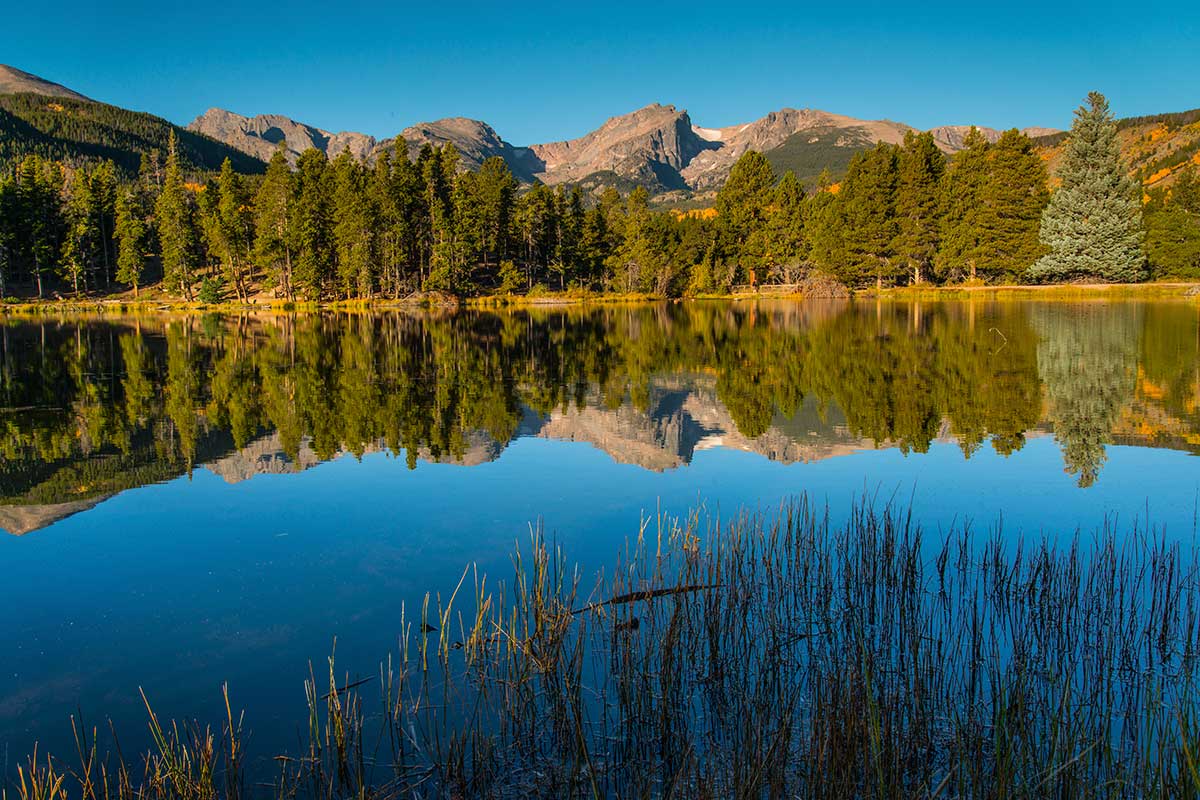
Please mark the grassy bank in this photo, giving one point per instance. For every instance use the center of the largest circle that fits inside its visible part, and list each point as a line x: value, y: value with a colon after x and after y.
x: 766, y: 657
x: 1081, y: 291
x: 150, y: 302
x: 122, y: 305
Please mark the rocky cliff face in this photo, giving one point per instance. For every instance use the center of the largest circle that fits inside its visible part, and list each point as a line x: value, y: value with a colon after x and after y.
x: 260, y: 136
x: 13, y: 80
x: 650, y: 146
x: 709, y: 169
x: 952, y: 138
x: 475, y: 141
x: 658, y: 146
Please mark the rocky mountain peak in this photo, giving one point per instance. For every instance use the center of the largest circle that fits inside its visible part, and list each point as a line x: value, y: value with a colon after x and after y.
x: 13, y: 80
x: 260, y: 135
x: 657, y: 146
x: 475, y: 141
x: 650, y: 146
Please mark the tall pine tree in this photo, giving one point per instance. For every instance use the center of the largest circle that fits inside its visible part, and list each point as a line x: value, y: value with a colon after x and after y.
x: 312, y: 225
x: 354, y: 227
x: 175, y: 220
x: 1013, y: 198
x: 921, y: 165
x: 235, y: 228
x: 273, y: 238
x: 961, y: 190
x: 864, y: 217
x: 1093, y: 224
x: 785, y: 243
x: 131, y: 236
x: 742, y: 207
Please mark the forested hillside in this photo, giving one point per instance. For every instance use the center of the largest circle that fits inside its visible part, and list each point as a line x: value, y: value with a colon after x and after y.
x: 80, y: 131
x: 1156, y: 147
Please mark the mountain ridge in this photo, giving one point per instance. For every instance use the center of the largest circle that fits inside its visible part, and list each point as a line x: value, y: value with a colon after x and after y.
x: 18, y: 81
x: 658, y: 145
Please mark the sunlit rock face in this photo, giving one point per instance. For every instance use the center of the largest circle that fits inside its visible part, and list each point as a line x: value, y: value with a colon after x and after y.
x: 659, y: 146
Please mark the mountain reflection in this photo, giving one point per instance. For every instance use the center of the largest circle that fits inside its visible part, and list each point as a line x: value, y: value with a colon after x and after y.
x: 91, y: 407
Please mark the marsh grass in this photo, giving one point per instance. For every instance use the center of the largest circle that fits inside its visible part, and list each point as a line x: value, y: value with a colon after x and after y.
x: 765, y: 656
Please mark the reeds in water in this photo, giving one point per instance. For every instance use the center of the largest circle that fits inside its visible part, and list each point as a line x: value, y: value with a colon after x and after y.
x: 769, y: 656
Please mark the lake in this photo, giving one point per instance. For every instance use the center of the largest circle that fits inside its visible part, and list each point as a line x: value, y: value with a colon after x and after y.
x: 198, y: 500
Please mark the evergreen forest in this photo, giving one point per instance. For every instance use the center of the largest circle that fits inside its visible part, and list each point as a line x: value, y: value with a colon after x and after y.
x: 342, y: 229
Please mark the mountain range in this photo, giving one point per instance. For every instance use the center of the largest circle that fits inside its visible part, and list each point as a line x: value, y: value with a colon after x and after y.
x: 658, y: 146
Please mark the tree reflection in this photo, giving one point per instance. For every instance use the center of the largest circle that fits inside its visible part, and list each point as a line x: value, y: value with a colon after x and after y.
x: 94, y: 407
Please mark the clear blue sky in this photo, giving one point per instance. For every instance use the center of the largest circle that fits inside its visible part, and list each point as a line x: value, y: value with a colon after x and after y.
x: 544, y: 71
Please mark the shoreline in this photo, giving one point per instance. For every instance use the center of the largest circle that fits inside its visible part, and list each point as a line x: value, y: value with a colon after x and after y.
x: 1167, y: 290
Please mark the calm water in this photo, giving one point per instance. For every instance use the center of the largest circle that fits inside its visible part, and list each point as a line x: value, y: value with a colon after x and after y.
x: 201, y: 499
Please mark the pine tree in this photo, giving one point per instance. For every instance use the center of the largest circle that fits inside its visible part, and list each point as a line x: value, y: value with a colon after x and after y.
x: 103, y: 185
x: 961, y: 191
x: 235, y: 228
x: 784, y: 241
x: 864, y: 217
x: 1173, y: 228
x: 569, y: 216
x: 821, y: 231
x: 175, y: 220
x: 1012, y: 200
x: 469, y: 231
x: 536, y: 223
x: 920, y: 169
x: 411, y: 221
x: 312, y: 225
x: 130, y: 233
x: 396, y: 199
x: 354, y: 227
x: 439, y: 171
x: 273, y: 235
x: 8, y: 234
x: 497, y: 188
x: 595, y: 246
x: 210, y: 254
x: 742, y: 204
x: 40, y: 222
x: 636, y: 260
x: 81, y: 243
x: 1093, y: 224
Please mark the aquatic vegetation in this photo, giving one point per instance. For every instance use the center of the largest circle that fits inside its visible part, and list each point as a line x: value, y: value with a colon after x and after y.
x: 782, y: 655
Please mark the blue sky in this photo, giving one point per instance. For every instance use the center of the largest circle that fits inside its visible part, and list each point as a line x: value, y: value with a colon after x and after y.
x: 543, y: 71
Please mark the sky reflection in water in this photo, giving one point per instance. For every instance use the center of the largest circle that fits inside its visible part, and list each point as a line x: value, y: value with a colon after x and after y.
x: 302, y: 519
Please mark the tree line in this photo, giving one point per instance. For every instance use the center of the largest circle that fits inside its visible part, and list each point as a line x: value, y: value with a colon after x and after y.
x: 345, y: 229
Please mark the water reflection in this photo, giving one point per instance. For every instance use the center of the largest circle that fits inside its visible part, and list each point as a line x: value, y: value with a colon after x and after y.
x: 89, y: 408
